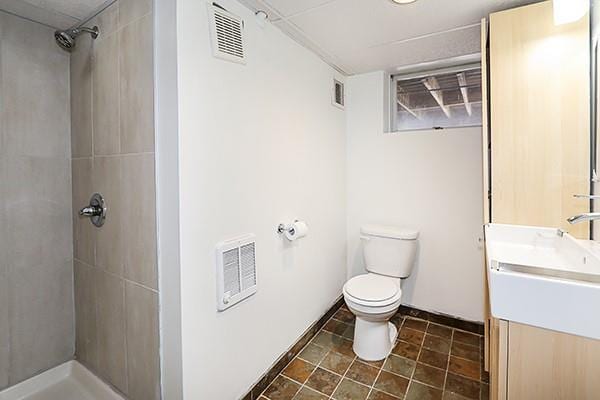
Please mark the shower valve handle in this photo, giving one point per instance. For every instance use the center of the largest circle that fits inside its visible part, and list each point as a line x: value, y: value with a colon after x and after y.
x: 90, y: 211
x: 96, y: 210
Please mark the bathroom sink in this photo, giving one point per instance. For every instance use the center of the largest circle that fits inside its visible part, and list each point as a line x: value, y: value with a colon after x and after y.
x: 544, y: 277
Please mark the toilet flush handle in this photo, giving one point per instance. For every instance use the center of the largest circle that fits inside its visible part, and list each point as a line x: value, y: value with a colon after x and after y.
x: 365, y: 238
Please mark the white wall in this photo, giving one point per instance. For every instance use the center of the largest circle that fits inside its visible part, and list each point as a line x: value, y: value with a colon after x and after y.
x: 259, y: 144
x: 428, y: 180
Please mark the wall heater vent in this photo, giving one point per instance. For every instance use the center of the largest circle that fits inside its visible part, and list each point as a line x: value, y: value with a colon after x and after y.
x: 227, y: 34
x: 338, y: 95
x: 236, y: 270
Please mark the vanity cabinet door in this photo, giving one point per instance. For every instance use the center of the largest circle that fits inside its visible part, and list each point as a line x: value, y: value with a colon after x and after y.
x: 548, y: 365
x: 498, y: 358
x: 540, y: 113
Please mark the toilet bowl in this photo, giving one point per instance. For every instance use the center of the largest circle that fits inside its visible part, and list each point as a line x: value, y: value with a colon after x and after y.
x: 375, y: 297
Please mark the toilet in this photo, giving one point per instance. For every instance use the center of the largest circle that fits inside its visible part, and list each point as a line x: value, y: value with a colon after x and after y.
x: 375, y: 297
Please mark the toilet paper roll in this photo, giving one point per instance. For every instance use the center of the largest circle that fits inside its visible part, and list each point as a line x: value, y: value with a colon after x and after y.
x: 298, y: 230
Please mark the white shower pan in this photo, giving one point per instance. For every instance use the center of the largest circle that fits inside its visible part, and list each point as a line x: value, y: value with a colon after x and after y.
x: 69, y: 381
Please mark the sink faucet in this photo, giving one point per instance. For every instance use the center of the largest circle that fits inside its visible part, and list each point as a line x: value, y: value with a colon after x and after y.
x: 584, y: 217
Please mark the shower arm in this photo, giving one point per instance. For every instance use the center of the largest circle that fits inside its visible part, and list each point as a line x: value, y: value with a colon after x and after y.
x: 85, y: 29
x: 92, y: 31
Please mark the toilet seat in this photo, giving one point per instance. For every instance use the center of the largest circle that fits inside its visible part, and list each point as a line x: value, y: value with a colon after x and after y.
x: 373, y: 290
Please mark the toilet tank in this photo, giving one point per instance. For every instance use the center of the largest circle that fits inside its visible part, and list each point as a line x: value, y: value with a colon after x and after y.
x: 388, y: 250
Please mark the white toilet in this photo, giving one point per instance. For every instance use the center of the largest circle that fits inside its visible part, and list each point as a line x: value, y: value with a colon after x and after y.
x: 375, y: 297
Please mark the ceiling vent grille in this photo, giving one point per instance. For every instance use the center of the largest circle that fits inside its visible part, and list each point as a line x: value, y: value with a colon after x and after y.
x: 227, y: 34
x: 236, y: 271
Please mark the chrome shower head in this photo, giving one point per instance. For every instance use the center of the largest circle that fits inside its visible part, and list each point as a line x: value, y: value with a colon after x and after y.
x: 67, y: 39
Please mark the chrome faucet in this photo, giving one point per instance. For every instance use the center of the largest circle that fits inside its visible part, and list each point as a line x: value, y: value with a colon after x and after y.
x: 584, y: 217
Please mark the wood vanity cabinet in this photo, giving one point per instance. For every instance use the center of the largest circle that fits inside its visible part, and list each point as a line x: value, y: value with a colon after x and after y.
x: 531, y: 363
x: 536, y: 141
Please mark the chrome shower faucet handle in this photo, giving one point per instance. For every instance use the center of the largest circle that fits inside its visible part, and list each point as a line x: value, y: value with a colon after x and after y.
x: 96, y: 210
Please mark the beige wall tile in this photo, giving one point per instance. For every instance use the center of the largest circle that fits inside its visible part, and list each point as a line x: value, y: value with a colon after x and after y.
x: 3, y: 26
x: 41, y: 299
x: 81, y: 98
x: 107, y: 21
x: 4, y: 327
x: 38, y: 247
x: 36, y: 274
x: 142, y: 343
x: 111, y: 329
x: 131, y: 10
x: 34, y: 124
x: 137, y: 88
x: 37, y: 201
x: 4, y: 249
x: 109, y: 240
x: 105, y: 93
x: 86, y: 339
x: 138, y: 219
x: 39, y: 169
x: 122, y: 342
x: 83, y: 230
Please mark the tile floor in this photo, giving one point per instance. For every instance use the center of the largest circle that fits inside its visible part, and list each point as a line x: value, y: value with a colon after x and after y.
x: 428, y: 362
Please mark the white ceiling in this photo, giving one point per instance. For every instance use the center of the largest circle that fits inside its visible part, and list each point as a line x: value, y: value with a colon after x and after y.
x: 354, y: 36
x: 357, y: 36
x: 60, y: 14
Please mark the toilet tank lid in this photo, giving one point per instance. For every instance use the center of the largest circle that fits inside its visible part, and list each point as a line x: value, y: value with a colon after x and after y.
x: 390, y: 232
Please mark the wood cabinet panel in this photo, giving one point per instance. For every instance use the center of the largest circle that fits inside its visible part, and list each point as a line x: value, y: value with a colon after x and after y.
x: 548, y: 365
x: 486, y: 183
x: 539, y: 97
x: 498, y: 358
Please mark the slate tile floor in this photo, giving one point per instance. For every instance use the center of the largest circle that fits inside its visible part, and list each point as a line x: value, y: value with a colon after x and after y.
x: 428, y: 362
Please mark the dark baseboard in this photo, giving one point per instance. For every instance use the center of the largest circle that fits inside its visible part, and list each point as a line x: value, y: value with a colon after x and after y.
x: 284, y: 360
x: 448, y: 320
x: 288, y: 356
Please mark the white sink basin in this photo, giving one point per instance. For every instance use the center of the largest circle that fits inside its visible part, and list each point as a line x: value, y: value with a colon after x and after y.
x: 544, y: 277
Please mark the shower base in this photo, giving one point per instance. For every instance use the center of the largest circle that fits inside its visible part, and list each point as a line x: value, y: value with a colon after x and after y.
x: 69, y: 381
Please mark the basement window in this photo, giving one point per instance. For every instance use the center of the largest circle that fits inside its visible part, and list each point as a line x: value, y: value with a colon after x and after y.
x: 441, y: 99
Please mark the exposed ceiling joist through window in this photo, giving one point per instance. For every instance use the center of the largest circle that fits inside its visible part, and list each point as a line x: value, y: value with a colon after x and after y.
x: 445, y: 99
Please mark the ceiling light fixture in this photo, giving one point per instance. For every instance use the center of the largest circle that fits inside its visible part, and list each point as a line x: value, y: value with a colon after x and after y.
x: 567, y: 11
x: 403, y: 1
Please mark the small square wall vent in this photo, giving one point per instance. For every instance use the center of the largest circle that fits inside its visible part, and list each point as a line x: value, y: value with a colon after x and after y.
x: 227, y: 34
x: 337, y: 96
x: 236, y: 270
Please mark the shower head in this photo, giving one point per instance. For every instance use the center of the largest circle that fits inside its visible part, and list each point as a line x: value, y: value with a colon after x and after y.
x: 66, y: 39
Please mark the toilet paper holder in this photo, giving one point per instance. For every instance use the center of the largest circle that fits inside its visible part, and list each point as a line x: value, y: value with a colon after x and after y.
x: 294, y: 231
x: 289, y: 228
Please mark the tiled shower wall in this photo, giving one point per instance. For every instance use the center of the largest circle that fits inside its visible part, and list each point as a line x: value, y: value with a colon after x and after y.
x: 36, y: 265
x: 116, y: 291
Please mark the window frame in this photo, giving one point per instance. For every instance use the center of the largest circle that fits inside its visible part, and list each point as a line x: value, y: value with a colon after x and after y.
x: 424, y: 73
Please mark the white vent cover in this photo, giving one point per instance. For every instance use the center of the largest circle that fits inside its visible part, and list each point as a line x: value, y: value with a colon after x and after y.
x: 236, y: 271
x: 337, y: 95
x: 227, y: 34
